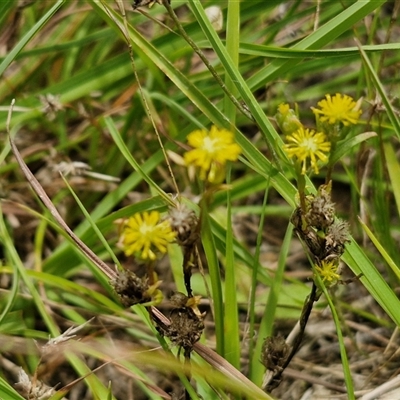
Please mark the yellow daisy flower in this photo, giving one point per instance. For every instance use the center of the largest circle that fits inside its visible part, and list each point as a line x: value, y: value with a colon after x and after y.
x: 339, y: 108
x: 328, y: 272
x: 306, y: 143
x: 211, y: 151
x: 143, y: 234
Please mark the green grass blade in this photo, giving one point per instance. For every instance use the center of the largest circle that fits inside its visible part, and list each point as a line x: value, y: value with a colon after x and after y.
x: 231, y: 321
x: 381, y: 249
x: 343, y: 354
x: 382, y: 92
x: 321, y: 37
x: 93, y: 225
x: 344, y: 146
x: 16, y: 262
x: 210, y: 250
x: 8, y: 392
x: 232, y: 47
x: 267, y: 321
x: 127, y: 154
x: 28, y: 36
x: 393, y: 166
x: 253, y: 364
x: 359, y: 263
x: 293, y: 53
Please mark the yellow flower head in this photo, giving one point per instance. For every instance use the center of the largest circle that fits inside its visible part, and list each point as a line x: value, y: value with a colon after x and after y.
x: 211, y: 151
x: 339, y: 108
x: 144, y: 234
x: 306, y: 143
x: 328, y: 272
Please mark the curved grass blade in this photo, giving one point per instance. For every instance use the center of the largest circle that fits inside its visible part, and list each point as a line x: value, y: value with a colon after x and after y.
x: 293, y: 53
x: 344, y: 146
x: 343, y: 354
x: 382, y: 92
x: 127, y: 154
x: 109, y: 272
x: 381, y: 249
x: 231, y: 322
x: 393, y: 166
x: 28, y: 36
x: 359, y: 263
x: 268, y: 319
x: 321, y: 37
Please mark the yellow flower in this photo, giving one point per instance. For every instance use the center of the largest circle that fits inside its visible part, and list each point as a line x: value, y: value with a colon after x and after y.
x: 339, y: 108
x: 306, y: 143
x: 144, y: 234
x: 211, y: 151
x: 327, y: 271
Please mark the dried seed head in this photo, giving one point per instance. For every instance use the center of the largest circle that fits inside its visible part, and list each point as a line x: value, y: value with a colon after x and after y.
x: 186, y: 327
x: 33, y: 389
x: 179, y: 300
x: 51, y: 105
x: 184, y: 222
x: 321, y: 211
x: 130, y: 288
x: 337, y: 235
x: 69, y: 334
x: 275, y: 351
x: 186, y: 322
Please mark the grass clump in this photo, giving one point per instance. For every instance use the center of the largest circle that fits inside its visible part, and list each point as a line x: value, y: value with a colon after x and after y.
x: 173, y: 149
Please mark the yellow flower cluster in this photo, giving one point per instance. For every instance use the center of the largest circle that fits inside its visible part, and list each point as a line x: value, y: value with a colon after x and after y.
x: 144, y: 235
x: 337, y: 111
x: 211, y: 151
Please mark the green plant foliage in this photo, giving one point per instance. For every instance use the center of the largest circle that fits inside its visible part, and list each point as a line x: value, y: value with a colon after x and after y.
x: 215, y: 204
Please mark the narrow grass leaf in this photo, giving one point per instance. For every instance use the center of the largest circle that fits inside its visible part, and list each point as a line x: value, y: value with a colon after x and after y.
x: 258, y: 161
x: 382, y: 92
x: 393, y: 167
x: 135, y: 165
x: 8, y: 392
x: 293, y: 53
x: 252, y: 298
x: 19, y: 269
x: 93, y: 224
x: 373, y: 281
x: 268, y: 319
x: 321, y: 37
x: 210, y: 250
x: 343, y: 354
x: 231, y: 317
x: 381, y: 249
x: 344, y: 146
x: 232, y: 47
x: 28, y: 36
